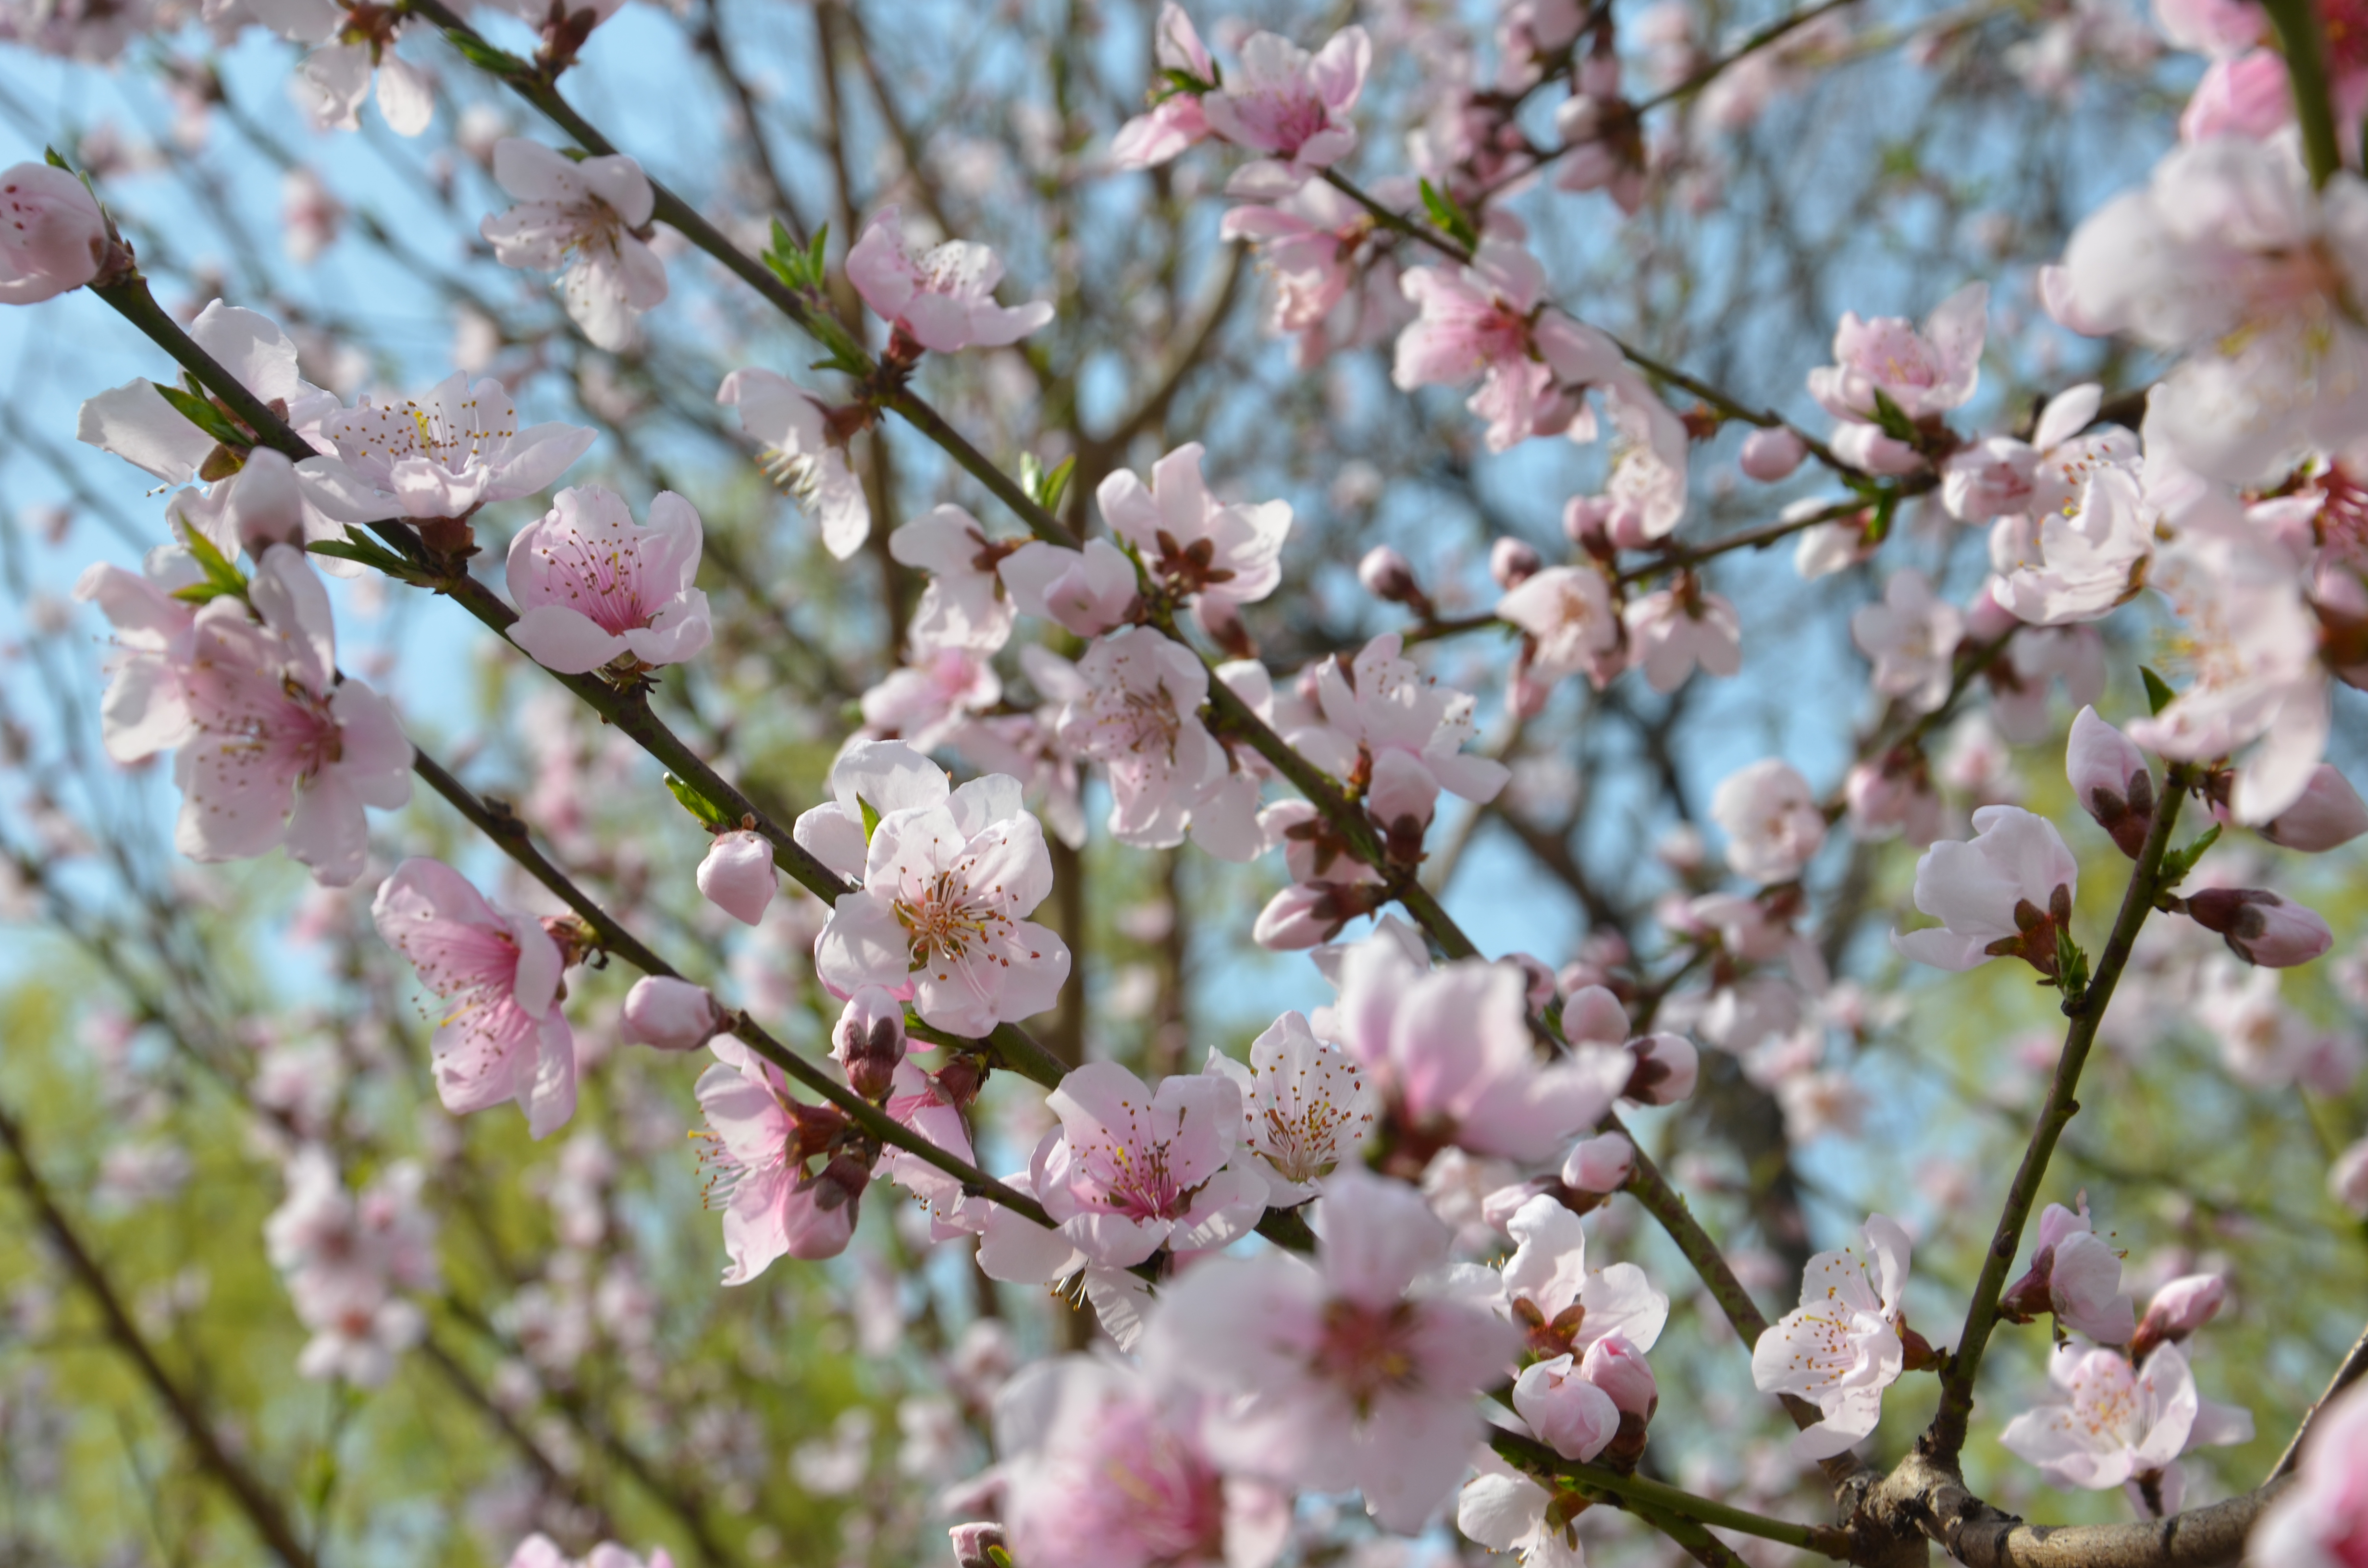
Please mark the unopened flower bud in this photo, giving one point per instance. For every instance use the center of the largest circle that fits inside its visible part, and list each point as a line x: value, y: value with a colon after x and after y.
x: 1388, y: 575
x: 1600, y: 1164
x: 1306, y: 914
x: 1618, y: 1368
x: 1866, y: 447
x: 1585, y: 518
x: 1770, y: 455
x: 1570, y: 1414
x: 1591, y: 1015
x: 977, y: 1545
x: 869, y: 1040
x: 1512, y: 563
x: 2109, y: 778
x: 52, y: 236
x: 670, y: 1014
x: 2329, y: 812
x: 1666, y: 1068
x: 2261, y: 927
x: 737, y: 876
x: 2178, y: 1310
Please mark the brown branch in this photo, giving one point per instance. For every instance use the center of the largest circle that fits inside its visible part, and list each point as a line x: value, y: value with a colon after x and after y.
x: 1927, y: 1500
x: 263, y: 1511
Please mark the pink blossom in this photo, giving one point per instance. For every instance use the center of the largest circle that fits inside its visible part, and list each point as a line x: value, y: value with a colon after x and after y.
x: 941, y: 916
x: 1189, y: 543
x: 1354, y: 1373
x: 761, y: 1144
x: 278, y: 750
x: 1979, y: 891
x: 1503, y: 1509
x: 1921, y: 373
x: 1572, y: 627
x: 451, y: 449
x: 2262, y: 927
x: 930, y: 1105
x: 1666, y: 1068
x: 2076, y: 1275
x: 1599, y: 1165
x: 1305, y: 1107
x: 1291, y: 105
x: 1770, y: 456
x: 144, y: 710
x: 1484, y: 321
x: 945, y: 298
x: 2111, y: 780
x: 592, y: 589
x: 1841, y: 1347
x: 2328, y: 814
x: 1131, y: 1171
x: 1175, y: 122
x: 1089, y: 592
x: 1307, y: 243
x: 135, y: 423
x: 2322, y: 1521
x: 539, y: 1550
x: 504, y: 1037
x: 868, y: 1042
x: 929, y: 701
x: 1381, y: 701
x: 1618, y: 1368
x: 737, y: 876
x: 582, y: 218
x: 1563, y: 1308
x: 965, y: 605
x: 53, y: 236
x: 2346, y: 1178
x: 2178, y: 1310
x: 1773, y: 825
x: 1103, y: 1469
x: 804, y: 452
x: 1672, y: 633
x: 670, y: 1014
x: 2250, y: 95
x: 1450, y: 1054
x: 345, y: 1258
x: 1574, y: 1417
x: 1140, y: 719
x: 2080, y: 561
x: 2111, y: 1424
x: 870, y: 780
x: 351, y: 46
x: 1892, y: 797
x: 1912, y: 637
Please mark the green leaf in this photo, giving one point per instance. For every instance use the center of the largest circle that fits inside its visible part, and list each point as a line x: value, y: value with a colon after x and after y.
x: 1893, y: 418
x: 2178, y: 863
x: 997, y: 1556
x: 201, y: 413
x: 2071, y: 969
x: 815, y: 264
x: 225, y: 577
x: 695, y: 803
x: 366, y: 554
x: 201, y: 593
x: 2159, y: 692
x: 1447, y: 217
x: 870, y: 817
x: 486, y: 57
x: 1057, y: 484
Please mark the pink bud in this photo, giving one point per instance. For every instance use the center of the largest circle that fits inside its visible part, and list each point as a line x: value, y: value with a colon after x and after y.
x: 972, y: 1543
x: 1866, y: 447
x: 818, y: 1220
x: 1618, y: 1368
x: 1496, y: 1210
x: 2178, y: 1310
x: 1772, y: 455
x: 2247, y: 97
x: 2109, y: 778
x: 2330, y: 813
x: 1584, y: 518
x: 1593, y: 1014
x: 737, y: 876
x: 1512, y: 563
x: 869, y: 1040
x: 1600, y: 1164
x: 1666, y: 1068
x: 1388, y: 575
x: 2261, y: 927
x: 670, y: 1014
x: 1570, y: 1414
x: 2347, y: 1179
x: 1301, y: 915
x: 52, y: 236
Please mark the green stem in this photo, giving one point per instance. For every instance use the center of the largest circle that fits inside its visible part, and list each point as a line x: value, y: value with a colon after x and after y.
x: 1659, y: 1498
x: 2296, y: 22
x: 1947, y: 1435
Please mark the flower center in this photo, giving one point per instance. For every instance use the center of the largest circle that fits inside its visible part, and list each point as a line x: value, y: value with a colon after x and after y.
x: 1369, y: 1352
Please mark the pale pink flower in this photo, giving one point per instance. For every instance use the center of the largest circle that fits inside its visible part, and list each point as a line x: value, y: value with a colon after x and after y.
x: 2110, y: 780
x: 1382, y: 702
x: 1572, y: 627
x: 942, y: 916
x: 1770, y: 456
x: 1291, y: 105
x: 1561, y: 1306
x: 2322, y: 1521
x: 350, y: 46
x: 135, y: 423
x: 1174, y: 122
x: 762, y: 1143
x: 2111, y: 1424
x: 965, y: 605
x: 1307, y: 243
x: 278, y: 751
x: 52, y: 235
x: 2262, y: 927
x: 592, y: 589
x: 1504, y: 1510
x: 309, y: 215
x: 1189, y: 542
x: 736, y: 875
x: 669, y: 1014
x: 1131, y: 1171
x: 944, y: 300
x: 343, y: 1258
x: 2080, y: 561
x: 2077, y: 1277
x: 1087, y: 591
x: 1599, y: 1165
x: 1841, y: 1347
x: 1305, y: 1107
x: 1101, y: 1468
x: 1572, y: 1416
x: 1893, y: 798
x: 1484, y: 322
x: 451, y: 449
x: 1775, y: 828
x: 1449, y: 1051
x: 539, y: 1550
x: 1977, y: 889
x: 1672, y: 633
x: 868, y: 1043
x: 2178, y: 1310
x: 2346, y: 1178
x: 804, y: 453
x: 584, y: 218
x: 144, y: 710
x: 1354, y: 1373
x: 504, y: 1037
x: 870, y: 780
x: 2328, y: 814
x: 931, y: 1105
x: 2251, y: 96
x: 2229, y: 256
x: 1912, y: 637
x: 1922, y: 373
x: 929, y: 701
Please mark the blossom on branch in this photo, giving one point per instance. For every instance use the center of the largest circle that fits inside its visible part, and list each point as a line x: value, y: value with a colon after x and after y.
x: 1291, y: 105
x: 52, y: 235
x: 1773, y: 825
x: 2112, y: 1425
x: 1131, y: 1171
x: 592, y: 589
x: 1841, y: 1347
x: 943, y: 300
x: 2006, y: 893
x: 1190, y: 544
x: 585, y: 218
x: 2322, y: 1520
x: 761, y: 1144
x: 1305, y: 1107
x: 453, y: 449
x: 804, y: 449
x: 1174, y: 122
